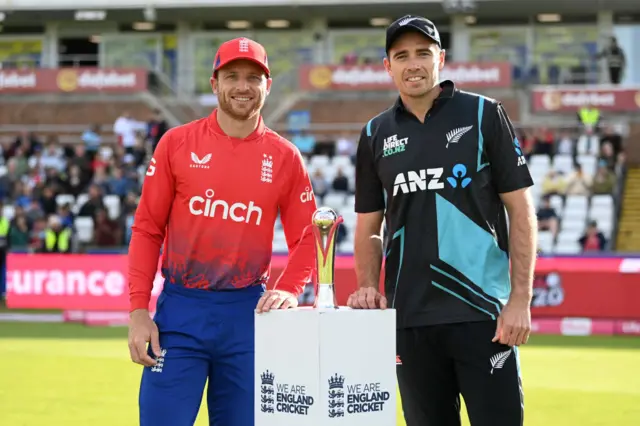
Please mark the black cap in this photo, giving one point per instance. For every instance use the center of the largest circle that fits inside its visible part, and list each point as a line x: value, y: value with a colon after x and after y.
x: 412, y: 23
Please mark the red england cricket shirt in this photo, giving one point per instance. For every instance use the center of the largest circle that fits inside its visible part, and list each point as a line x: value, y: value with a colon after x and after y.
x: 213, y: 201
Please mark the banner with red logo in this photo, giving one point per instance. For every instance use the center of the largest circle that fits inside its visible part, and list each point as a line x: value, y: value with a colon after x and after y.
x: 73, y: 80
x: 375, y: 77
x: 607, y: 288
x: 570, y: 99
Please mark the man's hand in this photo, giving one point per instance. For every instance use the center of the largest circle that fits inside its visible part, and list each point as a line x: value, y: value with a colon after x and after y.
x: 276, y: 299
x: 143, y: 330
x: 367, y: 298
x: 514, y: 323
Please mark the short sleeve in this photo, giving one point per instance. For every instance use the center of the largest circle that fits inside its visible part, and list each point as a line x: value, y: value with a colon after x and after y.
x: 369, y: 190
x: 508, y: 166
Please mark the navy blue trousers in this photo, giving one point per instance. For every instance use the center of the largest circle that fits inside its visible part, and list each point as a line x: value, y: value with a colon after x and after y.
x: 203, y: 335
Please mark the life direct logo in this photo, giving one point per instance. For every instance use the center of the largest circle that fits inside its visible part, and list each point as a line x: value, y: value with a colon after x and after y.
x: 359, y: 397
x: 283, y: 397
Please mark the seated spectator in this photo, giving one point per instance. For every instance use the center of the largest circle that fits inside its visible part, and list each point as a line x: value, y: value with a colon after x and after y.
x: 547, y: 217
x: 578, y: 183
x: 554, y: 183
x: 593, y: 239
x: 106, y: 232
x: 92, y: 140
x: 139, y: 153
x: 34, y: 211
x: 23, y: 195
x: 66, y: 215
x: 119, y: 184
x: 38, y: 235
x: 157, y: 126
x: 81, y: 160
x: 53, y: 157
x: 305, y: 142
x: 55, y: 180
x: 48, y: 201
x: 607, y: 156
x: 566, y: 144
x: 544, y: 142
x: 340, y: 182
x: 57, y: 239
x: 346, y: 145
x: 604, y: 181
x: 126, y: 129
x: 19, y: 232
x: 75, y: 183
x: 101, y: 180
x: 25, y: 144
x: 93, y: 204
x: 18, y: 164
x: 320, y: 185
x: 611, y: 136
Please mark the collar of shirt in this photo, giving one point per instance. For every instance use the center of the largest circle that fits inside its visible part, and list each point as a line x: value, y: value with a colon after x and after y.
x: 447, y: 90
x: 257, y: 134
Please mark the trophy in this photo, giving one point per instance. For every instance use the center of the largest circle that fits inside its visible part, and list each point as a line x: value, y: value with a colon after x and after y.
x: 325, y: 223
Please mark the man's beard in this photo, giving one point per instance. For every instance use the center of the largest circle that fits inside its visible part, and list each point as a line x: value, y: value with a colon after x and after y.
x: 225, y: 104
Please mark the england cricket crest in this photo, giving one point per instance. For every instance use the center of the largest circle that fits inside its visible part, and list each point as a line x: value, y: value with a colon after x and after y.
x: 336, y: 396
x: 267, y: 392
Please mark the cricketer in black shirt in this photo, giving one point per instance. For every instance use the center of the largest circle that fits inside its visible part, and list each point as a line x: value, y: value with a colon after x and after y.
x: 446, y: 256
x: 443, y: 167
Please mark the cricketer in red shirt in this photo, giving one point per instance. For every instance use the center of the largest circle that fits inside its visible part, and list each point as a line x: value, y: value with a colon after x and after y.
x: 212, y: 194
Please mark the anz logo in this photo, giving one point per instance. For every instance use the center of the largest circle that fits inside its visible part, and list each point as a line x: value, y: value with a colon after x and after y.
x: 459, y: 177
x: 417, y: 181
x: 429, y: 180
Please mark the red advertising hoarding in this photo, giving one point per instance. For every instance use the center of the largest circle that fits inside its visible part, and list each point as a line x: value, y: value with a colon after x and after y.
x: 73, y: 80
x: 607, y: 288
x: 375, y: 77
x: 570, y: 99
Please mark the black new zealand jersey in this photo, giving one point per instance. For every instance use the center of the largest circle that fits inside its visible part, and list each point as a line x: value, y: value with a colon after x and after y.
x: 446, y: 239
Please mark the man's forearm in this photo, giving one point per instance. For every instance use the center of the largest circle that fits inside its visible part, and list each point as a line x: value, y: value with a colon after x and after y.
x: 522, y: 248
x: 368, y: 260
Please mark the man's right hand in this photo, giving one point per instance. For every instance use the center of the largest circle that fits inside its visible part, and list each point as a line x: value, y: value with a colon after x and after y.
x: 143, y: 330
x: 367, y: 298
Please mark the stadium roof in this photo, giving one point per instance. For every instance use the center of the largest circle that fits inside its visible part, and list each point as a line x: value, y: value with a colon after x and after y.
x: 344, y: 11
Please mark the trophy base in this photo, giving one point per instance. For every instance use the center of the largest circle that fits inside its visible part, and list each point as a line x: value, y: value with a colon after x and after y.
x: 325, y: 298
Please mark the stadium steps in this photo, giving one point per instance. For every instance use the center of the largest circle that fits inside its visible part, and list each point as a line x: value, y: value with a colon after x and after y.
x: 629, y: 226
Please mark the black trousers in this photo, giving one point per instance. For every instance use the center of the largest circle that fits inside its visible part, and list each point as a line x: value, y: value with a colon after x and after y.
x: 441, y: 362
x: 615, y: 75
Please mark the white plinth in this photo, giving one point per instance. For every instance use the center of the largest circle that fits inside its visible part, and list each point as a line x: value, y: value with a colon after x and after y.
x: 299, y: 352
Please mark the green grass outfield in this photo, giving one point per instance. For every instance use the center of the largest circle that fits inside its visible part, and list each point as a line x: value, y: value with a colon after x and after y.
x: 68, y: 375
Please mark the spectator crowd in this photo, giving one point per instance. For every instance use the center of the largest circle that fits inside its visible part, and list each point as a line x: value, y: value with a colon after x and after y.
x: 45, y: 186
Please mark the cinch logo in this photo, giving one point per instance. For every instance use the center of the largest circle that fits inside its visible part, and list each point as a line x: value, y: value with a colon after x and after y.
x: 393, y: 145
x: 290, y: 399
x: 307, y: 195
x: 237, y: 212
x: 359, y: 398
x: 459, y: 177
x: 417, y: 181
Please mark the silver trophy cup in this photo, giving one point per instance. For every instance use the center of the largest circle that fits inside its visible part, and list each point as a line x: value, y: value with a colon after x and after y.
x: 325, y: 221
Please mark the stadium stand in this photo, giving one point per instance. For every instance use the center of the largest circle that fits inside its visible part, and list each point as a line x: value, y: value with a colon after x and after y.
x: 63, y: 158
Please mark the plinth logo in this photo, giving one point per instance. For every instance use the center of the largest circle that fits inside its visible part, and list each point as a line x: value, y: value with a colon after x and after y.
x: 352, y: 399
x: 283, y: 398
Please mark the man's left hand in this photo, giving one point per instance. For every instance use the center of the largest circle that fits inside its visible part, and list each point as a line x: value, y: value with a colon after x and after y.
x: 514, y: 323
x: 276, y: 299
